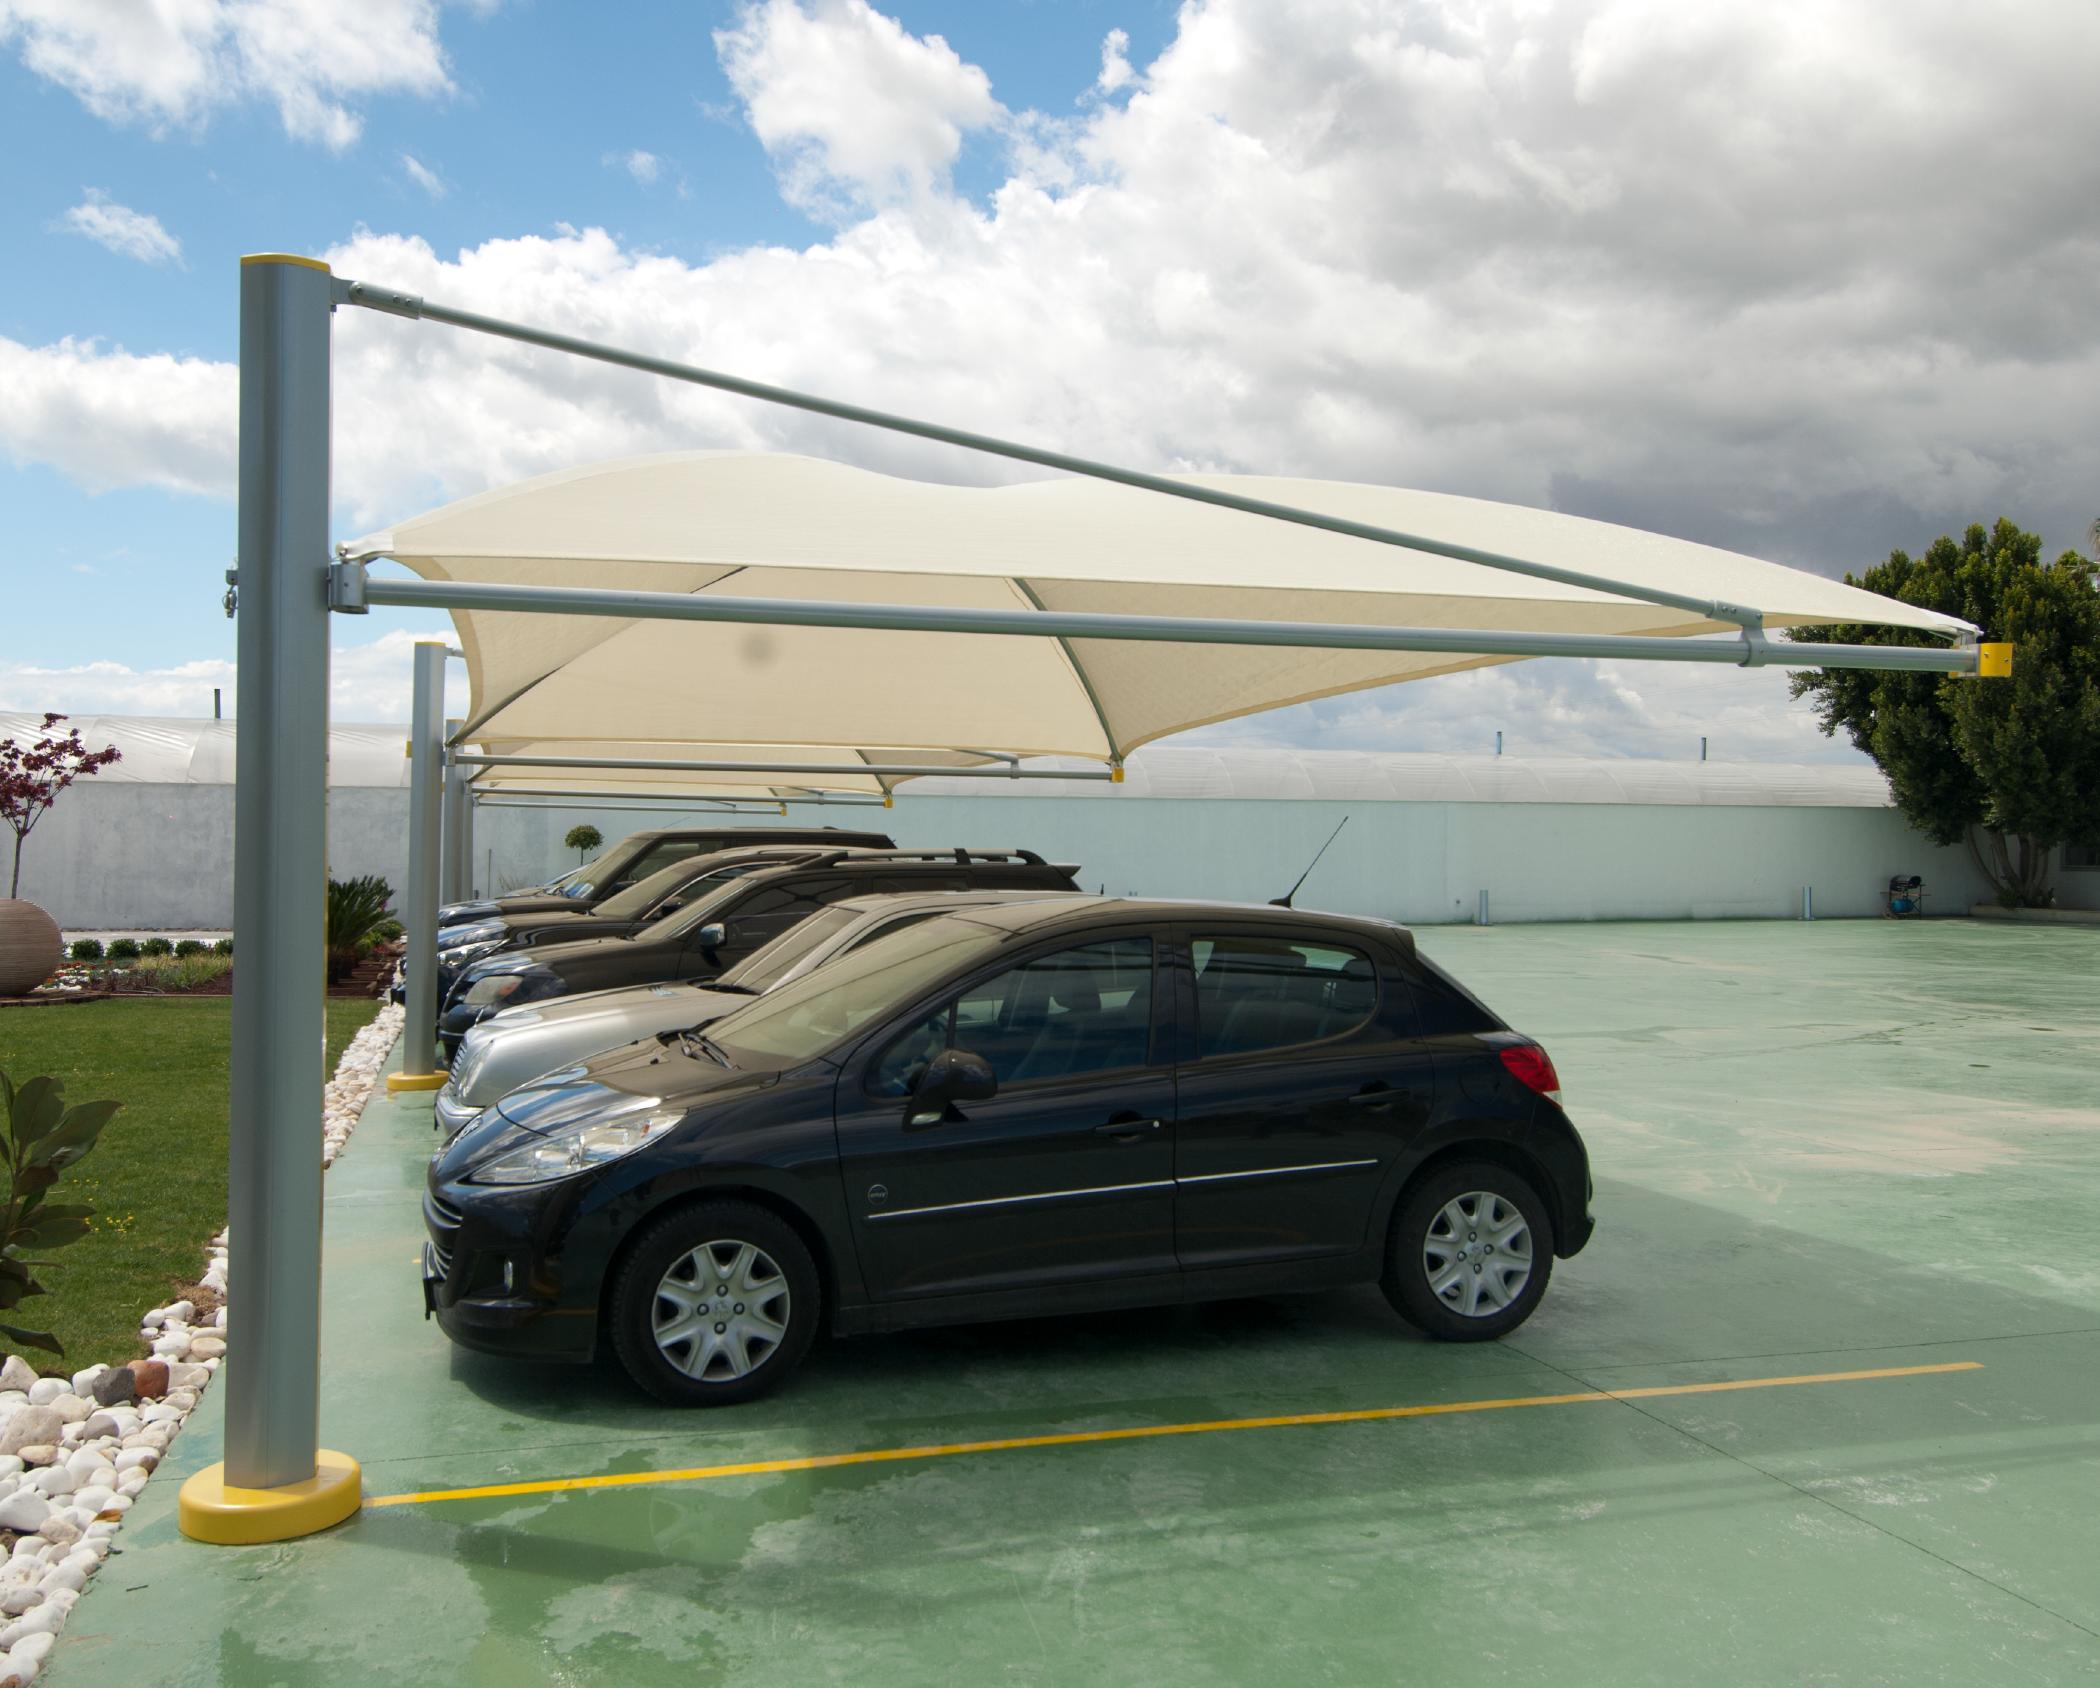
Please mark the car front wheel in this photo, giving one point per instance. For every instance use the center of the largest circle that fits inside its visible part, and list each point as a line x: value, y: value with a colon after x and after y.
x: 1470, y: 1252
x: 715, y: 1303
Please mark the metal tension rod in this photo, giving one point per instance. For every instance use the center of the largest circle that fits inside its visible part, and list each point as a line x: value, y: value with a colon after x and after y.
x: 497, y: 797
x: 353, y: 589
x: 415, y: 307
x: 1007, y: 770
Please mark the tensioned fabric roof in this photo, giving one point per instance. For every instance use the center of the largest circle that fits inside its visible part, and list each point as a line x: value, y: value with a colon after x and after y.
x: 773, y: 526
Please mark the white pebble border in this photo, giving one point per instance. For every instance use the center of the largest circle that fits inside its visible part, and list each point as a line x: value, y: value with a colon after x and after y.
x: 70, y: 1469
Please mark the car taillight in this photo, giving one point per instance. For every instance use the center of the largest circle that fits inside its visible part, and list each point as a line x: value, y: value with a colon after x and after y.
x: 1532, y: 1067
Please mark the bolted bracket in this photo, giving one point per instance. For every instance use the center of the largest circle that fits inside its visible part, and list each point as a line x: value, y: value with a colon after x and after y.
x: 388, y: 299
x: 232, y: 600
x: 1758, y: 650
x: 346, y: 589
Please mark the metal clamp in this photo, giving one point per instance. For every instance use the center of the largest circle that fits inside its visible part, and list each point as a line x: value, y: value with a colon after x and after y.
x: 346, y: 589
x: 232, y: 600
x: 390, y: 300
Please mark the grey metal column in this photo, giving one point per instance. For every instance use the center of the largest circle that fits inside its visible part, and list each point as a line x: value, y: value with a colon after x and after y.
x: 426, y: 749
x: 280, y: 858
x: 453, y: 877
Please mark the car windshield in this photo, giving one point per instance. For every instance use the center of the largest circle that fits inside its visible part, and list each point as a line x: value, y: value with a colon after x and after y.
x: 765, y: 968
x: 694, y: 915
x: 577, y: 881
x: 642, y: 896
x: 808, y: 1016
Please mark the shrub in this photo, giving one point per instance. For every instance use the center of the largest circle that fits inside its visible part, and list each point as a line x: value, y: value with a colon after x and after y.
x: 388, y: 932
x: 191, y: 946
x: 156, y: 946
x: 123, y: 949
x: 86, y: 949
x: 355, y: 909
x: 223, y: 947
x: 583, y: 840
x: 44, y: 1137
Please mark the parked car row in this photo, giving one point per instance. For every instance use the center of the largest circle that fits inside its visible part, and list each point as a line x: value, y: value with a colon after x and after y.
x: 864, y: 1089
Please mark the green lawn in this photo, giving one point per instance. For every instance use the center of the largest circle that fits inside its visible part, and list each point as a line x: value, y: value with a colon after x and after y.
x: 157, y: 1178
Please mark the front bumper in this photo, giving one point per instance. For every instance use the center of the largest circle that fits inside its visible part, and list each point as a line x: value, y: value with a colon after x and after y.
x: 492, y: 1284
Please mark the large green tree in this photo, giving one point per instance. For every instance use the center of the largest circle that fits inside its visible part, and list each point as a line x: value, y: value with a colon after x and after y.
x: 2009, y: 767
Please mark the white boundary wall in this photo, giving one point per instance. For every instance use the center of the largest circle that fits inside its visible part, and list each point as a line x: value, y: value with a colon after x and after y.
x: 138, y: 855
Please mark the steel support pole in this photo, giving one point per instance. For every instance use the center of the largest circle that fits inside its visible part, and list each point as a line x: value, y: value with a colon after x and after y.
x: 426, y: 750
x: 276, y: 1481
x: 357, y: 591
x: 456, y: 828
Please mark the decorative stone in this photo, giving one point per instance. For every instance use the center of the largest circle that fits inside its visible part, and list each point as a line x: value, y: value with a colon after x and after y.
x: 60, y: 1532
x: 31, y: 947
x: 172, y: 1346
x: 44, y: 1391
x: 71, y: 1409
x: 207, y: 1347
x: 29, y: 1427
x: 55, y: 1480
x: 17, y: 1373
x: 114, y: 1388
x: 149, y: 1379
x: 136, y: 1459
x: 16, y: 1601
x: 23, y: 1511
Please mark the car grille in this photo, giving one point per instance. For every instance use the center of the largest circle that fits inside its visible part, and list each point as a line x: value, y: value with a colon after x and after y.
x: 443, y: 1221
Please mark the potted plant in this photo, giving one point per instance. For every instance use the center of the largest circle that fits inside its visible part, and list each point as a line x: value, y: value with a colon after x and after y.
x: 31, y: 777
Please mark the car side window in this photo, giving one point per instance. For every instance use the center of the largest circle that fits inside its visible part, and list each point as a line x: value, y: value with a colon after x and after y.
x: 1078, y: 1011
x: 1272, y: 993
x: 771, y: 910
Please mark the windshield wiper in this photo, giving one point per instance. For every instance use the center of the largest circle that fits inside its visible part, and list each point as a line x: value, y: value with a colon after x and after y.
x: 691, y: 1041
x: 722, y: 985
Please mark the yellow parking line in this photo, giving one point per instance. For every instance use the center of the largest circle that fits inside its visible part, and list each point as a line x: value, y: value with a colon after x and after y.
x: 1136, y: 1432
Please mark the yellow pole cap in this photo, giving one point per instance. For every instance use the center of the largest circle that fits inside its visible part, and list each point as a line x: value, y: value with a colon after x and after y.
x: 888, y: 802
x: 1115, y: 774
x: 208, y: 1508
x: 1994, y: 662
x: 285, y: 258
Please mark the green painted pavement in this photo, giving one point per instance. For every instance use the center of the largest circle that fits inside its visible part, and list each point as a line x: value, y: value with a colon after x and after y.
x: 1819, y: 1148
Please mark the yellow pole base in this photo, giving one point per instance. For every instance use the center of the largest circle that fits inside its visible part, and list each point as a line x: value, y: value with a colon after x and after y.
x: 211, y: 1509
x: 416, y: 1081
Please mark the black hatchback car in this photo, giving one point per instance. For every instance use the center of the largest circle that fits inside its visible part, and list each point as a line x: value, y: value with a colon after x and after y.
x: 1049, y: 1107
x: 712, y: 933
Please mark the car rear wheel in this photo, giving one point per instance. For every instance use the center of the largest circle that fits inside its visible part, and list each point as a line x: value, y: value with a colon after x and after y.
x: 714, y: 1304
x: 1470, y: 1252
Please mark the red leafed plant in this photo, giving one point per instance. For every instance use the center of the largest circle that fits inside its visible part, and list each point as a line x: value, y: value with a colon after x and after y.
x: 32, y: 775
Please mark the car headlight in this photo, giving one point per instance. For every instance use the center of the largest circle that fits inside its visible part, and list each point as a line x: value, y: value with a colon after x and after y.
x: 499, y: 988
x: 458, y: 955
x: 577, y: 1147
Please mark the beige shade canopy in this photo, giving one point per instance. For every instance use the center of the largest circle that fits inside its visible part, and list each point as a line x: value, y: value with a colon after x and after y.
x: 771, y: 526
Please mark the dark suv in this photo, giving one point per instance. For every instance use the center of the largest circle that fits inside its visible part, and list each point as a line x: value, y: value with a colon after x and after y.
x: 642, y: 904
x: 716, y: 931
x: 1045, y: 1107
x: 640, y: 854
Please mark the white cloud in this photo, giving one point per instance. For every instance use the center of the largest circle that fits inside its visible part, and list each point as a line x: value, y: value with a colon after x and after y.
x: 644, y: 167
x: 1116, y: 73
x: 1803, y: 281
x: 853, y: 107
x: 128, y: 233
x: 172, y: 63
x: 368, y: 681
x: 109, y: 417
x: 423, y: 176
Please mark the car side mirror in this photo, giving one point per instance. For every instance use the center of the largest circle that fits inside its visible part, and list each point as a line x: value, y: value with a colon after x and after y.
x: 954, y: 1075
x: 713, y: 935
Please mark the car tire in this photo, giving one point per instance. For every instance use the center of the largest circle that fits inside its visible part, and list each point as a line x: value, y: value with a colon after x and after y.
x: 695, y: 1344
x: 1449, y: 1258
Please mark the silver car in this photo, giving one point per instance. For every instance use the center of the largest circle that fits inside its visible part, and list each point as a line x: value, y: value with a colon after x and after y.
x: 521, y: 1044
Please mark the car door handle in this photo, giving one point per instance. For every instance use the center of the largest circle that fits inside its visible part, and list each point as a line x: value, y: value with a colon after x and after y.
x: 1375, y: 1096
x: 1127, y: 1130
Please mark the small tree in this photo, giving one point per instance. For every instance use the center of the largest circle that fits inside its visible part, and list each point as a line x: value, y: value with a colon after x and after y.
x: 583, y: 840
x: 2009, y: 767
x: 32, y: 775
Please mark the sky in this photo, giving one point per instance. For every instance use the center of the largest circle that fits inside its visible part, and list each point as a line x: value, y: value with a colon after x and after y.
x: 1812, y: 280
